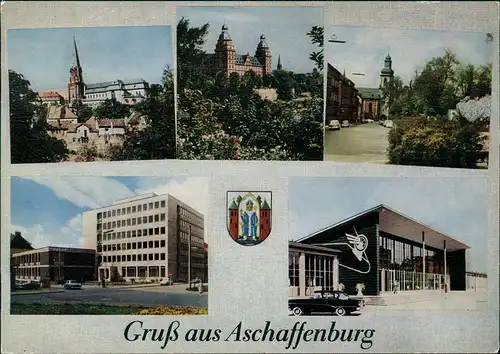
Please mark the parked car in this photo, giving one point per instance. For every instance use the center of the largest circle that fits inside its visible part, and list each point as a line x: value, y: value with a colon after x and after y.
x: 27, y: 285
x: 369, y: 120
x: 167, y: 281
x: 72, y: 285
x: 346, y: 124
x: 334, y: 302
x: 334, y: 125
x: 388, y: 124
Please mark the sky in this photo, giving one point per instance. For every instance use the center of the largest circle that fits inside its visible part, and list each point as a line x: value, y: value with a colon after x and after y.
x: 285, y: 29
x: 48, y: 211
x: 366, y: 48
x: 44, y: 56
x: 455, y: 206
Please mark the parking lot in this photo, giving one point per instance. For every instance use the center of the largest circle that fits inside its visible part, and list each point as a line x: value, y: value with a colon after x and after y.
x: 146, y: 296
x: 359, y: 143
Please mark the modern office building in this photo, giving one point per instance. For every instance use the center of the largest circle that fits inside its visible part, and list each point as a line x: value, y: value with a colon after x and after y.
x: 54, y: 263
x: 379, y: 248
x: 147, y: 236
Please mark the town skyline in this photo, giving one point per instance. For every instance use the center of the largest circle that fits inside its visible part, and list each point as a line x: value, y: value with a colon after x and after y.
x: 48, y: 211
x: 247, y: 24
x: 365, y: 49
x: 312, y: 206
x: 53, y: 50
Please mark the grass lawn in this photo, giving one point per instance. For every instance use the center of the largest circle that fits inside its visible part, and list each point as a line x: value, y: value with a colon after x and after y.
x: 98, y: 309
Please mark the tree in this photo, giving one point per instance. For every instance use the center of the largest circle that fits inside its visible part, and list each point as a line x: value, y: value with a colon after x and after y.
x: 157, y: 139
x: 391, y: 93
x: 439, y: 143
x: 190, y: 55
x: 433, y: 87
x: 83, y: 112
x: 30, y: 142
x: 317, y: 37
x: 111, y: 109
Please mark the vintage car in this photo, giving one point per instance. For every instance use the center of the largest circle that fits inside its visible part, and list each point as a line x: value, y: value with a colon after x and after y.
x: 346, y: 124
x: 72, y: 285
x: 334, y: 125
x: 333, y: 302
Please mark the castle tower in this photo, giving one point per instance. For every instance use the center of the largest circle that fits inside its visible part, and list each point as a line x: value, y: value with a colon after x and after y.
x: 279, y: 66
x: 386, y: 74
x: 263, y: 55
x: 225, y: 54
x: 76, y: 86
x: 265, y: 220
x: 233, y: 221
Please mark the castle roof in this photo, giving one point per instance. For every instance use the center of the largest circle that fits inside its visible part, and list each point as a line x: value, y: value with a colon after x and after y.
x: 60, y: 112
x: 240, y: 60
x: 233, y: 206
x: 265, y: 206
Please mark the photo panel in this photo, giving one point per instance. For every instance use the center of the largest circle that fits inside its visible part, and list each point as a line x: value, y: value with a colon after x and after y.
x: 408, y: 97
x: 383, y: 249
x: 92, y: 94
x: 109, y: 246
x: 244, y: 91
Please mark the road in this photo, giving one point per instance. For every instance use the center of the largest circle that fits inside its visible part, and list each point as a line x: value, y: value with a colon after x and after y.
x: 360, y: 143
x: 149, y: 297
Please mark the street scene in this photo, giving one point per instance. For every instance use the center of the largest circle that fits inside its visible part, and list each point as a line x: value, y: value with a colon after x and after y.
x: 128, y: 299
x: 376, y: 252
x: 78, y: 94
x: 244, y: 93
x: 403, y: 101
x: 358, y: 143
x: 98, y: 254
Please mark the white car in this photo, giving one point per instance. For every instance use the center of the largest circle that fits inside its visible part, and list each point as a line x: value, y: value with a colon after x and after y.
x: 388, y: 124
x: 72, y: 284
x: 345, y: 124
x: 369, y: 120
x: 334, y: 125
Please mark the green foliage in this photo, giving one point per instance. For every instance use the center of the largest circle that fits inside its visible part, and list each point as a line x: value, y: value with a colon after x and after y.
x: 317, y: 37
x: 222, y: 117
x: 156, y: 140
x: 435, y: 142
x: 111, y: 109
x: 83, y: 112
x: 30, y: 142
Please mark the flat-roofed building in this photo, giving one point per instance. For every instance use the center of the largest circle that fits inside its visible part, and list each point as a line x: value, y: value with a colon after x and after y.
x: 147, y: 236
x: 54, y: 263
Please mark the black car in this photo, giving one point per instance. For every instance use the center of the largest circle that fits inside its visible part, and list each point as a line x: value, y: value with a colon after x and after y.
x: 334, y: 302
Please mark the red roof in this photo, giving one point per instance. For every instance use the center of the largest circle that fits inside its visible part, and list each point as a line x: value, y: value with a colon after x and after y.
x: 117, y: 123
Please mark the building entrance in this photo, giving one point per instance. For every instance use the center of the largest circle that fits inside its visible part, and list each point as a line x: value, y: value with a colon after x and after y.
x: 408, y: 281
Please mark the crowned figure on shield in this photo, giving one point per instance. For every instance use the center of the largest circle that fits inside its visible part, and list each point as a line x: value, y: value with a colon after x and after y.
x: 249, y: 221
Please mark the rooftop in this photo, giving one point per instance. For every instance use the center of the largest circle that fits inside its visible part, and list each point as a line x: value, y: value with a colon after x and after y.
x: 395, y: 223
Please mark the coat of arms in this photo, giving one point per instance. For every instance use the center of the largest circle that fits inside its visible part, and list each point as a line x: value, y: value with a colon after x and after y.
x: 249, y: 217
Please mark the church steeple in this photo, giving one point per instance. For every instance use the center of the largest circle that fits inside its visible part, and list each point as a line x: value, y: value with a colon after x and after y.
x: 76, y: 85
x: 76, y: 58
x: 279, y: 66
x: 386, y: 73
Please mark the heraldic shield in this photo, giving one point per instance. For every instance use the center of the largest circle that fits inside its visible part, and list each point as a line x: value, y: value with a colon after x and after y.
x: 249, y: 216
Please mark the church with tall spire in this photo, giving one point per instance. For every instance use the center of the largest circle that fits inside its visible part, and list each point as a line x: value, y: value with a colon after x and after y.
x: 76, y: 85
x: 225, y: 59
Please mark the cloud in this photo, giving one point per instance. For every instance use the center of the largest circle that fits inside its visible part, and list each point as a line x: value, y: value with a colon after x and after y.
x: 86, y: 192
x: 366, y: 48
x: 95, y: 192
x: 69, y: 235
x: 192, y: 191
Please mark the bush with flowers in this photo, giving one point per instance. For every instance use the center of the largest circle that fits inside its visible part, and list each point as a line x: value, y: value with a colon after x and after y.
x: 173, y: 310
